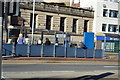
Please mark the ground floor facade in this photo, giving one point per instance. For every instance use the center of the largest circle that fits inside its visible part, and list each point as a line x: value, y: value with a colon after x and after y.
x: 50, y: 19
x: 110, y: 43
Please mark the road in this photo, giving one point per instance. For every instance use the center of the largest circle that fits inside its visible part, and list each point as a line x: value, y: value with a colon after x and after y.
x: 30, y: 69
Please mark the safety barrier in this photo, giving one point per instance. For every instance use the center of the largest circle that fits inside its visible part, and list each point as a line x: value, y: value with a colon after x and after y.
x: 51, y: 51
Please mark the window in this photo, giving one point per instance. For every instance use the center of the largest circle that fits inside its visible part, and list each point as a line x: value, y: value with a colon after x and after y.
x: 112, y: 28
x: 48, y: 22
x: 62, y: 23
x: 31, y: 18
x: 105, y: 12
x: 104, y: 27
x: 113, y: 14
x: 74, y: 25
x: 119, y: 28
x: 85, y: 25
x: 13, y: 34
x: 113, y: 0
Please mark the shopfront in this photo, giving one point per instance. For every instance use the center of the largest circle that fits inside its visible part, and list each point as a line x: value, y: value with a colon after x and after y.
x: 108, y: 42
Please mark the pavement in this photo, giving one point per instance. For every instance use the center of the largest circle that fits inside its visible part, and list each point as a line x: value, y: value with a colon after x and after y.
x: 58, y: 59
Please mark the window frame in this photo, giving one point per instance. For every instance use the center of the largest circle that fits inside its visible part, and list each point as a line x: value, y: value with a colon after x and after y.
x: 62, y: 23
x: 48, y: 22
x: 74, y: 27
x: 113, y: 13
x: 105, y: 12
x: 113, y: 28
x: 119, y: 28
x: 105, y: 27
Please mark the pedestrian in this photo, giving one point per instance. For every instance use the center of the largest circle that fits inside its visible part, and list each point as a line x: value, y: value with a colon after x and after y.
x: 26, y: 41
x: 47, y: 42
x: 39, y: 41
x: 82, y: 45
x: 20, y: 39
x: 56, y: 43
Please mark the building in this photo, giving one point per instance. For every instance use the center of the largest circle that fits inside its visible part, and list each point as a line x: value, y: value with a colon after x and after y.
x: 67, y: 2
x: 105, y: 23
x: 105, y: 16
x: 75, y: 3
x: 54, y: 18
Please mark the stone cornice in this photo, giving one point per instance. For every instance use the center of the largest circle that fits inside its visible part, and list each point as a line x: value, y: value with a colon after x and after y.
x: 59, y: 9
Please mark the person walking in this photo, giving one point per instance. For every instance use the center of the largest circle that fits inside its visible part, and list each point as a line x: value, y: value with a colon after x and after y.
x: 82, y: 45
x: 47, y: 42
x: 20, y: 39
x: 39, y: 41
x: 26, y: 41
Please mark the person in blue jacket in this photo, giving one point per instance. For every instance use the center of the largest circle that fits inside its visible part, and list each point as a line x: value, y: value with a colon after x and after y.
x: 20, y: 39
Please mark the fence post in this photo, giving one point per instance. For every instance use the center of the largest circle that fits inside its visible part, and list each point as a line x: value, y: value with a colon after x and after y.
x: 75, y: 52
x: 94, y: 53
x: 13, y: 50
x: 54, y: 48
x: 42, y: 50
x: 28, y: 50
x: 85, y: 54
x: 65, y: 51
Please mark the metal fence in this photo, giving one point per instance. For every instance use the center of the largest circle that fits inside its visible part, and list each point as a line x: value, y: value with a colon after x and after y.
x: 51, y: 51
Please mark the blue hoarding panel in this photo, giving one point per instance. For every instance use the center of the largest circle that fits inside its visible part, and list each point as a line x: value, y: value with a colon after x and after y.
x: 89, y: 40
x: 70, y: 52
x: 21, y: 49
x: 81, y: 52
x: 35, y: 50
x: 48, y: 51
x: 7, y: 49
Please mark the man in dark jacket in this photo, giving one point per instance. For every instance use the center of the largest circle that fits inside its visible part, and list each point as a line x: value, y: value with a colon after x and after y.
x: 47, y: 42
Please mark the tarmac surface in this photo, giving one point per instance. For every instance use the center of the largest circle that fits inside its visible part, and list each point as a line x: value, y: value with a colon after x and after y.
x: 113, y: 75
x: 66, y: 76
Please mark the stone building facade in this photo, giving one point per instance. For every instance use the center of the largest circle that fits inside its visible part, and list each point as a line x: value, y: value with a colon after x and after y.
x: 69, y: 20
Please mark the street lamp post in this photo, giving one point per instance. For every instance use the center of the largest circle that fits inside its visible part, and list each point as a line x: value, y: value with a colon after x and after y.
x: 33, y: 20
x: 1, y: 36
